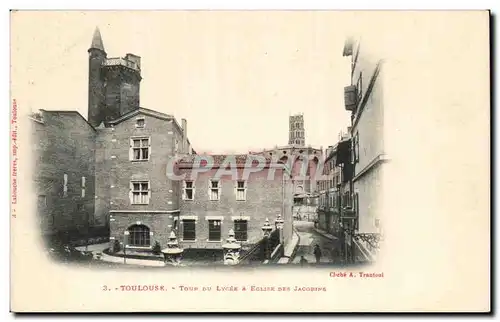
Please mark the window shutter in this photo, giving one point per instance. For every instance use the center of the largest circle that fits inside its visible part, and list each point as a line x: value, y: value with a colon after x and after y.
x: 357, y: 211
x: 149, y: 192
x: 183, y: 190
x: 131, y: 151
x: 150, y: 151
x: 130, y: 195
x: 236, y: 189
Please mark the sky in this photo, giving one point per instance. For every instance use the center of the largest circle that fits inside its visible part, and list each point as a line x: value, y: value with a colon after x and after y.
x: 235, y: 76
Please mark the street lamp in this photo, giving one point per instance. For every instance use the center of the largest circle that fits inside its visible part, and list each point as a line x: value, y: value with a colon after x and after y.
x: 125, y: 236
x: 231, y: 250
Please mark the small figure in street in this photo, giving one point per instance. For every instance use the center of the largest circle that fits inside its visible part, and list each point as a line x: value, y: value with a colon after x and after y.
x: 303, y: 260
x: 317, y: 253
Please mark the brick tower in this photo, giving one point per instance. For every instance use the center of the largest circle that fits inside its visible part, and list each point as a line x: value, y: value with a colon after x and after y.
x: 114, y: 83
x: 296, y: 130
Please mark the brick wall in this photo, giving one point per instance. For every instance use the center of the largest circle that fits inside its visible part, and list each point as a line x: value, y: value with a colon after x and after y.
x: 121, y: 90
x: 64, y: 144
x: 119, y: 170
x: 264, y: 199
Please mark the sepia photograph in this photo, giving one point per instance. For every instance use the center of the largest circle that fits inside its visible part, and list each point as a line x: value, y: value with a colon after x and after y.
x: 124, y: 184
x: 244, y: 152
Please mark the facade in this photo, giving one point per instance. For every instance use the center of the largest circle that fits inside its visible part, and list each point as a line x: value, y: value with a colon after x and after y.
x: 63, y: 145
x: 112, y: 171
x: 296, y: 135
x: 303, y: 162
x: 132, y: 188
x: 114, y: 83
x: 212, y: 202
x: 333, y: 192
x: 364, y: 100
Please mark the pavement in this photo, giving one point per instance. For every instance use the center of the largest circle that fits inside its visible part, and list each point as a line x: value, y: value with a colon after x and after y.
x: 310, y: 236
x: 289, y: 249
x: 98, y: 248
x: 94, y: 248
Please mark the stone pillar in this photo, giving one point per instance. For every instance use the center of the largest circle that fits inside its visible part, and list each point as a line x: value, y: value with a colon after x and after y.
x: 266, y: 229
x: 231, y: 250
x: 279, y: 222
x: 173, y: 253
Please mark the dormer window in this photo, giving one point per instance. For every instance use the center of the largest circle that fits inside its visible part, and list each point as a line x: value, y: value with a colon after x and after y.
x: 140, y: 123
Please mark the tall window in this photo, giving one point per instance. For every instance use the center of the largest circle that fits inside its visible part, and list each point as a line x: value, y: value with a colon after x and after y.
x: 42, y: 204
x: 214, y: 230
x: 356, y: 147
x: 83, y: 187
x: 140, y: 149
x: 139, y: 236
x: 188, y: 229
x: 140, y: 192
x: 360, y: 87
x: 241, y: 190
x: 214, y: 189
x: 65, y: 185
x: 188, y: 190
x: 241, y: 230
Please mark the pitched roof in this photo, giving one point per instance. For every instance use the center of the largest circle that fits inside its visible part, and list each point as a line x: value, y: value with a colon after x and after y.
x: 141, y: 110
x: 97, y: 40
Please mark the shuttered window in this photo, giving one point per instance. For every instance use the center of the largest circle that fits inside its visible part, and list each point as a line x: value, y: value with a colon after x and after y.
x: 140, y: 192
x: 214, y: 230
x: 214, y: 187
x: 241, y: 230
x: 140, y: 149
x: 188, y: 190
x: 188, y: 229
x: 241, y: 190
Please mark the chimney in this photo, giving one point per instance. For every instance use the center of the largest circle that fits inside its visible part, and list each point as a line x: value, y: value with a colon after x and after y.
x: 185, y: 145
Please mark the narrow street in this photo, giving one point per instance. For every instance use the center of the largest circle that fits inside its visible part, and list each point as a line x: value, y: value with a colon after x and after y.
x: 308, y: 238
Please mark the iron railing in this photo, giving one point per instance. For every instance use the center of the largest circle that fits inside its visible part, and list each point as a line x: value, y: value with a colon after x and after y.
x: 263, y: 249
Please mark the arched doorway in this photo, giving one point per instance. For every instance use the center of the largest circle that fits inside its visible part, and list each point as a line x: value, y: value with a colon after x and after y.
x: 139, y: 235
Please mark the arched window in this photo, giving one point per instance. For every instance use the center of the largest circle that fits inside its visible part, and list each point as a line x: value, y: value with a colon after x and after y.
x: 139, y: 235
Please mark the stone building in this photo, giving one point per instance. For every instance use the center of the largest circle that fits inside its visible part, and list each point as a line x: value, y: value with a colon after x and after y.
x: 112, y: 171
x: 296, y: 132
x: 63, y: 145
x: 132, y: 187
x: 364, y: 101
x: 303, y: 162
x: 334, y: 193
x: 216, y: 199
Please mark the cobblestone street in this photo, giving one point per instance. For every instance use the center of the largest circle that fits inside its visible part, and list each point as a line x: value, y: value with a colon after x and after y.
x: 308, y: 238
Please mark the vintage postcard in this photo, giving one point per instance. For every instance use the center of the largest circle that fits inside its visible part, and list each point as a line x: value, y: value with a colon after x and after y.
x: 250, y: 161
